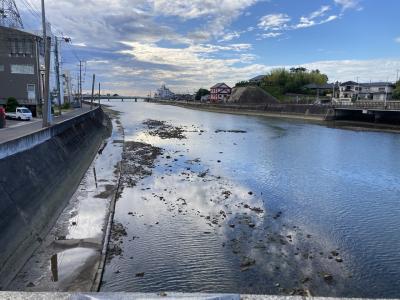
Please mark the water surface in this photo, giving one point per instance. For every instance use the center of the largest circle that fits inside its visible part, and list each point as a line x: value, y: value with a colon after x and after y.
x: 321, y: 190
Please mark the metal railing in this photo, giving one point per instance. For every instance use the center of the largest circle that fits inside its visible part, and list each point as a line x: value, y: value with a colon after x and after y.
x: 388, y: 105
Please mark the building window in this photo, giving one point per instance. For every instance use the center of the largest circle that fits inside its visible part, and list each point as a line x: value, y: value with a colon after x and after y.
x: 31, y: 88
x: 28, y: 47
x: 1, y: 68
x: 13, y: 46
x: 23, y: 69
x: 21, y: 47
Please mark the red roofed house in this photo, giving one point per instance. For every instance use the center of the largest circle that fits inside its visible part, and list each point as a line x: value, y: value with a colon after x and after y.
x: 220, y: 92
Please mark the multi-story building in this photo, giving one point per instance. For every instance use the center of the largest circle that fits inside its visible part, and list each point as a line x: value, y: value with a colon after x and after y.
x: 375, y: 91
x: 21, y: 54
x: 164, y: 93
x: 220, y: 92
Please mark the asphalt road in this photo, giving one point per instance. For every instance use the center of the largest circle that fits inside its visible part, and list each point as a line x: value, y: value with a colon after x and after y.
x: 16, y: 129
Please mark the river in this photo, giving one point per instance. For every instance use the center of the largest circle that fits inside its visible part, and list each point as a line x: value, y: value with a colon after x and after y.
x: 259, y: 205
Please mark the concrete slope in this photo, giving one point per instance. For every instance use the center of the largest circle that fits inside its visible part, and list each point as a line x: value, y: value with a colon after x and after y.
x: 36, y: 184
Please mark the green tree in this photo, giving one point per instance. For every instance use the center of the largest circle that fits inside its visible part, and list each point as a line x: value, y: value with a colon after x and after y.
x: 281, y: 81
x: 12, y: 104
x: 396, y: 92
x: 200, y: 93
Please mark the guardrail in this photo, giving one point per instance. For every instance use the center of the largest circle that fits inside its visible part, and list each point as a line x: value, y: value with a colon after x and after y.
x: 389, y: 105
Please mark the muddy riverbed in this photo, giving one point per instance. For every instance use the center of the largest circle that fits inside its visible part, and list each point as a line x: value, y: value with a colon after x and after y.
x: 222, y: 203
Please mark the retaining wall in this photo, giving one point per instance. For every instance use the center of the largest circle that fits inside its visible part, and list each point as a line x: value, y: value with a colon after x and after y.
x: 295, y: 109
x: 38, y: 180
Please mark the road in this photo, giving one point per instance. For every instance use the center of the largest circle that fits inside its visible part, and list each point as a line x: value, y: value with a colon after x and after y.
x: 17, y: 129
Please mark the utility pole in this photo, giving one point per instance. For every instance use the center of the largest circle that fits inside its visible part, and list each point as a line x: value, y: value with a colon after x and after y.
x: 46, y: 111
x: 91, y: 102
x: 99, y: 94
x: 80, y: 83
x: 57, y: 67
x: 358, y: 89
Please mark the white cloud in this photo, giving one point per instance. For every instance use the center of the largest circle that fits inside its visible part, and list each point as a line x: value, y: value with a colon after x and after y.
x: 349, y: 4
x: 274, y: 22
x: 195, y: 65
x: 305, y: 22
x: 397, y: 40
x: 200, y: 8
x: 320, y: 13
x: 219, y: 13
x: 309, y: 21
x: 230, y: 36
x: 271, y: 34
x: 281, y: 22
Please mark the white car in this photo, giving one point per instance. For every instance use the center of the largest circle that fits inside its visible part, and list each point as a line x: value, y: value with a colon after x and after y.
x: 21, y: 113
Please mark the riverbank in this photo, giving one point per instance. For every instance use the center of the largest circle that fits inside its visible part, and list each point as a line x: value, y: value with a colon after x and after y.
x: 246, y: 110
x: 316, y: 117
x: 57, y: 196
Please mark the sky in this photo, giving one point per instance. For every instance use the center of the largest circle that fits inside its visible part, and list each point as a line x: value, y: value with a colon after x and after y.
x: 134, y: 46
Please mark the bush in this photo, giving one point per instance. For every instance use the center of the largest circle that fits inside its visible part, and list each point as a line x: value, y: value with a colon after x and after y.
x: 12, y: 104
x: 66, y: 105
x: 200, y: 93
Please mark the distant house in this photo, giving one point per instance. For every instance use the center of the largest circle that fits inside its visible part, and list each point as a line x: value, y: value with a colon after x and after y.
x: 375, y: 91
x: 349, y: 90
x: 328, y: 89
x: 257, y: 80
x: 220, y: 92
x: 205, y: 98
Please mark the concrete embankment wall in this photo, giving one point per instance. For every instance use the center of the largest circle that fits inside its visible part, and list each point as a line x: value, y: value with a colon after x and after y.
x: 37, y: 182
x: 272, y: 108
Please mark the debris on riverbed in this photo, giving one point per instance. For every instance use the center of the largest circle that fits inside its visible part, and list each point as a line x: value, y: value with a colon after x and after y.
x: 186, y: 191
x: 118, y: 232
x: 230, y: 131
x: 246, y: 263
x: 137, y: 161
x: 164, y: 130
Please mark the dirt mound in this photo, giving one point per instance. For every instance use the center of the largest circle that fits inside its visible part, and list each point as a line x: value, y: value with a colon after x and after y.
x: 251, y: 95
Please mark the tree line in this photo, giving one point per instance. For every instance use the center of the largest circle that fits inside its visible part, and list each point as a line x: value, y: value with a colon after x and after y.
x: 281, y: 81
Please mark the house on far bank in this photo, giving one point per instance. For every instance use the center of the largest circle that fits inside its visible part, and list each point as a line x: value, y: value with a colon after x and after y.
x: 220, y: 92
x: 374, y: 91
x: 21, y: 56
x: 257, y: 80
x: 205, y: 98
x: 324, y: 92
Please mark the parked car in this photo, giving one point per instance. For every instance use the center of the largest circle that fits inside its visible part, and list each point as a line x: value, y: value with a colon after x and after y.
x: 21, y: 113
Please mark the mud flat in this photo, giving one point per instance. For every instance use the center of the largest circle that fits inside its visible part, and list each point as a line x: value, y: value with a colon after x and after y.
x: 67, y: 255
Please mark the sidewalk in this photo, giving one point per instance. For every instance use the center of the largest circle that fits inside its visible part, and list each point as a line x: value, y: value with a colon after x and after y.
x: 8, y: 134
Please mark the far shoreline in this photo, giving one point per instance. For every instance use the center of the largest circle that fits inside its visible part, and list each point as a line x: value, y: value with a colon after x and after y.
x: 311, y: 118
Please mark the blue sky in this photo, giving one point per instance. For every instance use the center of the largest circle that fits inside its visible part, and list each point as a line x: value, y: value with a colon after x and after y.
x: 134, y: 46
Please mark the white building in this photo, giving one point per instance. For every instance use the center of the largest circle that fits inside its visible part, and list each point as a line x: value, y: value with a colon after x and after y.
x: 374, y: 91
x: 164, y: 93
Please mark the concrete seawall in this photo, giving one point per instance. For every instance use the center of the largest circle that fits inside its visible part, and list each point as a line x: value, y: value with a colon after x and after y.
x: 38, y: 175
x: 296, y: 111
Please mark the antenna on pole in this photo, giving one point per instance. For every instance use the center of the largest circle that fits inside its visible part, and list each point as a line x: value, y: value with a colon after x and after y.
x: 9, y: 14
